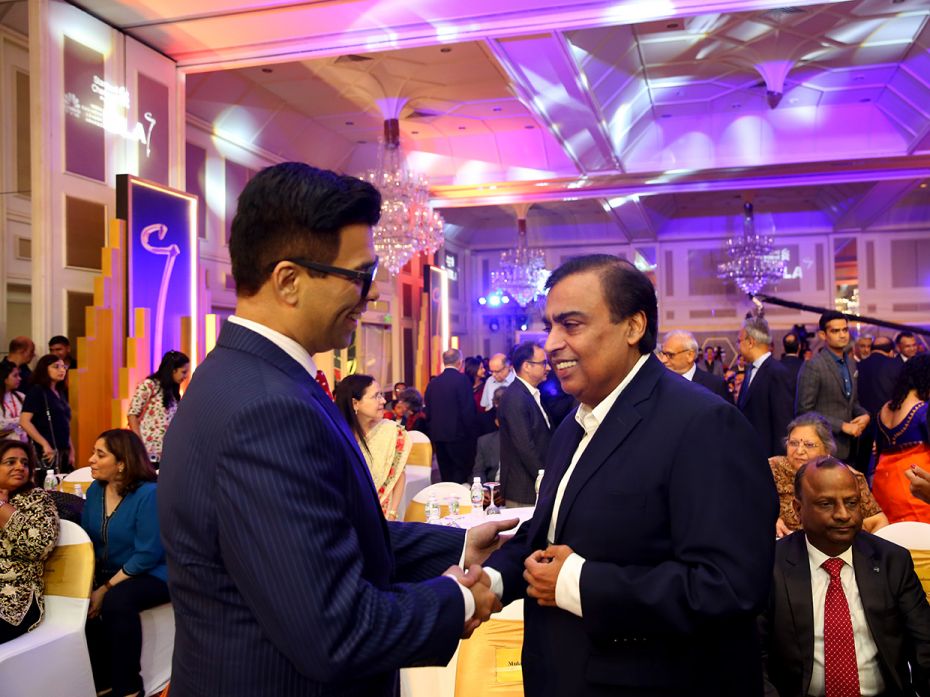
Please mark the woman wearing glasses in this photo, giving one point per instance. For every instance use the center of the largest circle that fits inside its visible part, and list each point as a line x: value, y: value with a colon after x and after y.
x: 28, y: 531
x: 384, y: 444
x: 809, y: 437
x: 156, y: 400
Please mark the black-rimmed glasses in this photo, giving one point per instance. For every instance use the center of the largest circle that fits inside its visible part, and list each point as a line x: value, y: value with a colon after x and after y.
x: 366, y: 277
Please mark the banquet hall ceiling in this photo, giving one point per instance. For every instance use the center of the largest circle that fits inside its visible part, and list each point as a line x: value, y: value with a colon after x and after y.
x: 647, y: 118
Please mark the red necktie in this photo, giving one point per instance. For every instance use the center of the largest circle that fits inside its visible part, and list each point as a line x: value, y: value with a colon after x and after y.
x: 840, y: 669
x: 321, y: 379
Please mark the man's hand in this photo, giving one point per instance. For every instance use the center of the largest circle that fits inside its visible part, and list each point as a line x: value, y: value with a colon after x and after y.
x: 486, y: 603
x: 863, y: 421
x: 541, y: 572
x: 483, y: 539
x: 920, y: 482
x: 851, y: 428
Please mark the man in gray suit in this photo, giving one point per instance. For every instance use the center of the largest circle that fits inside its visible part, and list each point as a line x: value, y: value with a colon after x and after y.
x: 827, y: 385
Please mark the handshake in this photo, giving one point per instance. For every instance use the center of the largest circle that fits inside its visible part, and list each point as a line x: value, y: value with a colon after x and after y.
x: 486, y: 602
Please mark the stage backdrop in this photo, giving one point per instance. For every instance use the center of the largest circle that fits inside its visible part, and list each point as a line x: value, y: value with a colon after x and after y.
x: 161, y: 225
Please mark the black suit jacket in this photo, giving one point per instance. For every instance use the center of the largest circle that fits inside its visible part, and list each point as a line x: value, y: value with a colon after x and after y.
x: 769, y: 405
x: 877, y: 376
x: 524, y: 443
x: 284, y: 576
x: 672, y: 506
x: 896, y: 612
x: 714, y: 383
x: 793, y: 365
x: 450, y: 408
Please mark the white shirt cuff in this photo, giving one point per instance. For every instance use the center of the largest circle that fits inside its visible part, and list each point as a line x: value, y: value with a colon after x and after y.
x: 497, y: 581
x: 466, y: 596
x: 568, y: 585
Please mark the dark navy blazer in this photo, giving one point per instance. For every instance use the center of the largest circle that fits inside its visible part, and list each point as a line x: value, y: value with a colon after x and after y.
x: 284, y: 576
x: 672, y: 505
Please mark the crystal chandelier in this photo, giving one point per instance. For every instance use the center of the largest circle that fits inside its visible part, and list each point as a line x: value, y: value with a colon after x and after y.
x: 752, y: 263
x: 408, y: 224
x: 523, y: 271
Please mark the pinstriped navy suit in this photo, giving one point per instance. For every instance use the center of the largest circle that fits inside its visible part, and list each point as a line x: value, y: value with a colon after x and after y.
x: 284, y: 576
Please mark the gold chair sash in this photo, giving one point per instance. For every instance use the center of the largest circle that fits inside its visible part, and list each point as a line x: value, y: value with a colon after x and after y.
x: 69, y: 571
x: 68, y: 487
x: 416, y: 511
x: 490, y: 662
x: 421, y: 454
x: 922, y: 567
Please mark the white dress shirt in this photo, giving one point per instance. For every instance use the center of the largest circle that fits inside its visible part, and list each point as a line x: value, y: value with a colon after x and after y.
x: 568, y: 584
x: 870, y: 675
x: 536, y: 396
x: 690, y: 374
x: 756, y: 364
x: 491, y: 385
x: 300, y: 354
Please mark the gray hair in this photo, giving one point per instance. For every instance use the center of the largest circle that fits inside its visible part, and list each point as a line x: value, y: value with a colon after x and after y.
x: 758, y: 330
x: 451, y: 356
x: 691, y: 343
x: 820, y: 425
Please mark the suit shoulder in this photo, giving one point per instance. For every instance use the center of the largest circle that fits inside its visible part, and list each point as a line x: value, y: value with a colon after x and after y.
x: 687, y: 395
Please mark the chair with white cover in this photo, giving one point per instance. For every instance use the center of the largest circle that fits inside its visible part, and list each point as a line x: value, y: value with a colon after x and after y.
x: 53, y: 659
x: 915, y: 537
x: 80, y: 476
x: 443, y: 491
x: 157, y: 647
x: 418, y: 437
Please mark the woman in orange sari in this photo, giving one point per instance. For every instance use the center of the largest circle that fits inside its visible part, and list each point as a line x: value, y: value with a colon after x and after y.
x: 902, y: 441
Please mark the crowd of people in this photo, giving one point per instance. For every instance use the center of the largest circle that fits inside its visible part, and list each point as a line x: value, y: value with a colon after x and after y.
x: 650, y: 565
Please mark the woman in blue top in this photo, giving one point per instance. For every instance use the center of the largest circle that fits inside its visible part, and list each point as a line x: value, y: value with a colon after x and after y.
x: 121, y: 517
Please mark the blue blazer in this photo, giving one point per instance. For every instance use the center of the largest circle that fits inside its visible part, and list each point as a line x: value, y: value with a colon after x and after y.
x: 284, y: 576
x: 672, y: 505
x: 132, y: 542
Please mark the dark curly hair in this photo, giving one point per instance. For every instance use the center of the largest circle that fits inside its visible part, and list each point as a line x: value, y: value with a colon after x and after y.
x: 915, y: 376
x: 6, y: 446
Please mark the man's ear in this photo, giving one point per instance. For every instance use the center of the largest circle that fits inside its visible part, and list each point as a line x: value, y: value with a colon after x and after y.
x: 796, y: 505
x: 821, y: 334
x: 636, y: 328
x: 285, y: 281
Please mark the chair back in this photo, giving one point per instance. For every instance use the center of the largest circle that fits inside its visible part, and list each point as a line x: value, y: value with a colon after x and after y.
x: 69, y: 569
x: 915, y: 536
x: 443, y: 491
x: 490, y: 662
x: 80, y: 476
x: 420, y: 453
x: 417, y: 437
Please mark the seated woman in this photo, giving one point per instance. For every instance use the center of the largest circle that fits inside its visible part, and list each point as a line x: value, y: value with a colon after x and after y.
x: 121, y: 517
x: 28, y: 533
x: 809, y: 436
x: 902, y: 440
x: 408, y: 410
x: 384, y: 444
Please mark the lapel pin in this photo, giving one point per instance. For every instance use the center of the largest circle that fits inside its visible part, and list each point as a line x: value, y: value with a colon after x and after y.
x: 875, y: 569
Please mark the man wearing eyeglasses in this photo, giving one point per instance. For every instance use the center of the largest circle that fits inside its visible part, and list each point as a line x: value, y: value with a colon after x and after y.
x: 501, y: 376
x: 285, y: 578
x: 525, y: 427
x: 679, y: 353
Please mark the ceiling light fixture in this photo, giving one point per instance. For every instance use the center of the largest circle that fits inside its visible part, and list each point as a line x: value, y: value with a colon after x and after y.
x: 523, y: 271
x: 408, y: 224
x: 753, y: 263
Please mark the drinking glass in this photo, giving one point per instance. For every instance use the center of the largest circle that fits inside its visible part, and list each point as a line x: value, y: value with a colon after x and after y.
x: 492, y: 509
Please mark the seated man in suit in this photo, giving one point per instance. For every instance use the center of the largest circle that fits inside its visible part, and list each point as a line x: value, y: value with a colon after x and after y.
x: 525, y: 429
x: 650, y: 551
x: 847, y: 613
x: 679, y: 352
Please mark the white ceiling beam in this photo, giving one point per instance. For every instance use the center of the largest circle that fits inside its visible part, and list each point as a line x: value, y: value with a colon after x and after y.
x: 877, y: 201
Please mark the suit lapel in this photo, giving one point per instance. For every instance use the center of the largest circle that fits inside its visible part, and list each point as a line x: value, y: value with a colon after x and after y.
x: 620, y: 421
x: 797, y: 571
x: 834, y: 370
x: 873, y: 592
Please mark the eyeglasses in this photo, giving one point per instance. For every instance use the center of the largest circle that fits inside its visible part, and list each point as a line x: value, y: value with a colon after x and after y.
x: 808, y: 445
x: 669, y: 355
x: 538, y: 362
x: 366, y: 277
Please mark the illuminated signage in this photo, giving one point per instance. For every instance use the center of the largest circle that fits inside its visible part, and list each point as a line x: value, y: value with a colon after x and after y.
x: 451, y: 263
x: 161, y: 266
x: 111, y: 113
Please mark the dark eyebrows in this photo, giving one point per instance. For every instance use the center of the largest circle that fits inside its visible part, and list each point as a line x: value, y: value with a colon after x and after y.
x: 563, y: 317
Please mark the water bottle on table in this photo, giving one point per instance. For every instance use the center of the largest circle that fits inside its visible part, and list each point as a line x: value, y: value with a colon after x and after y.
x: 432, y: 510
x: 51, y: 482
x: 477, y: 495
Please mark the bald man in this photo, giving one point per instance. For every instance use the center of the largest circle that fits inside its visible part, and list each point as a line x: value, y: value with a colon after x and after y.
x: 679, y: 352
x: 501, y: 376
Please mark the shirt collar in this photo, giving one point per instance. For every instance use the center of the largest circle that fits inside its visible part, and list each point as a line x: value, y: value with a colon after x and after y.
x: 285, y: 343
x: 756, y: 364
x: 817, y: 558
x: 690, y: 374
x: 533, y: 390
x: 589, y: 419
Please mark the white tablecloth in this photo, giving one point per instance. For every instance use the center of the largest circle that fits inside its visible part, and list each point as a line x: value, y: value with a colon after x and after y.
x: 440, y: 681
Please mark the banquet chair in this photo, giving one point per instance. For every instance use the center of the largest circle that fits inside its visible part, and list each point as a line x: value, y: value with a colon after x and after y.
x: 53, y: 659
x: 490, y: 662
x: 157, y: 647
x: 915, y: 537
x: 80, y: 476
x: 418, y: 437
x: 421, y: 454
x: 416, y: 509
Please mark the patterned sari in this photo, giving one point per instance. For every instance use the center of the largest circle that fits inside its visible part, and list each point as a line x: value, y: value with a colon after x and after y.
x: 388, y: 450
x: 900, y: 447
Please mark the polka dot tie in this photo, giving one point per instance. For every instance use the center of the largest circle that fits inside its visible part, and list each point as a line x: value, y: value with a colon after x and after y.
x: 321, y: 379
x: 840, y: 670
